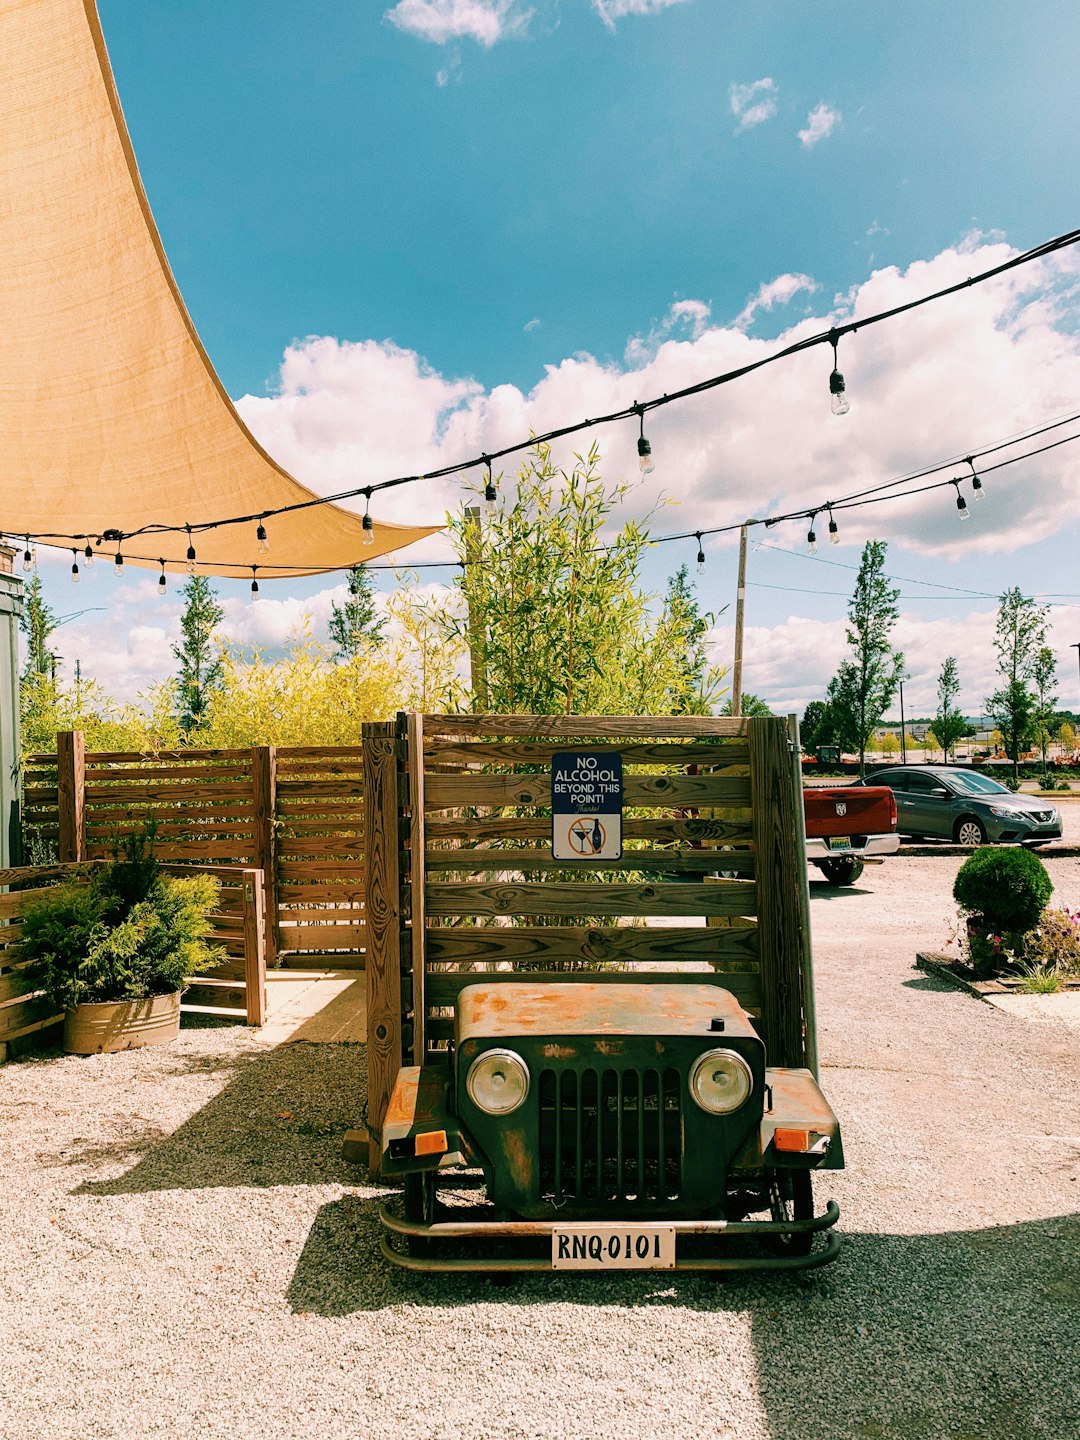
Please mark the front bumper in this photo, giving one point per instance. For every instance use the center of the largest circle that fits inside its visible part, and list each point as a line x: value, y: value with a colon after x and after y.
x: 818, y: 847
x: 1020, y: 829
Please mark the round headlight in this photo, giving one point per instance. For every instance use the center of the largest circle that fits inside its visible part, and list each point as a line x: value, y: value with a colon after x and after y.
x: 721, y: 1081
x: 498, y: 1082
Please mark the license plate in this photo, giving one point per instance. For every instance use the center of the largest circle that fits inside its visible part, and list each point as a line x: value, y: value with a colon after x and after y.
x: 839, y: 842
x: 612, y: 1247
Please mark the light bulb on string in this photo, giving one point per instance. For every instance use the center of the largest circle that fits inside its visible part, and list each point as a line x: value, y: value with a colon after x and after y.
x: 28, y: 557
x: 840, y: 403
x: 190, y: 553
x: 367, y: 523
x: 700, y: 556
x: 254, y: 582
x: 491, y: 493
x: 75, y: 567
x: 118, y: 562
x: 260, y: 536
x: 977, y: 491
x: 644, y: 449
x: 961, y: 503
x: 834, y: 530
x: 88, y: 555
x: 162, y: 584
x: 811, y: 538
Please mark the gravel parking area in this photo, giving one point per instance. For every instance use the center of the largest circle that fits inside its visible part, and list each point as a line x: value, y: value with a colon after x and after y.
x: 186, y: 1254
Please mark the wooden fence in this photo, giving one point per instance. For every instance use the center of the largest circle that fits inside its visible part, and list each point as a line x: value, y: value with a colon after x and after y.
x: 239, y: 922
x: 477, y: 889
x: 295, y: 814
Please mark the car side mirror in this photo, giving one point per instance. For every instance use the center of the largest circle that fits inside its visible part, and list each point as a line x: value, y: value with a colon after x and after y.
x: 939, y: 792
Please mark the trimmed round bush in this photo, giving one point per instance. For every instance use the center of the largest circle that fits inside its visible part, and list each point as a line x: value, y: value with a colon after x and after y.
x: 1007, y: 888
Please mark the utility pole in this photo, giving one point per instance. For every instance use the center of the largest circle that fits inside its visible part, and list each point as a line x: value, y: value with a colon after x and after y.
x: 903, y: 727
x: 477, y: 669
x: 1077, y: 649
x: 740, y: 599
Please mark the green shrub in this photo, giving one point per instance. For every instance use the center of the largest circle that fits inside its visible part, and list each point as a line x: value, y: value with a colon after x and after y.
x: 1007, y: 889
x: 83, y: 946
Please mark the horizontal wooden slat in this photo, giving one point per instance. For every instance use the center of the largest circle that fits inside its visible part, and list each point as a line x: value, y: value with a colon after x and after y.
x: 537, y: 943
x: 38, y: 874
x: 325, y: 845
x: 443, y: 792
x: 320, y: 789
x: 320, y: 870
x: 349, y: 891
x: 17, y: 1019
x: 14, y: 983
x: 692, y: 752
x: 310, y: 960
x: 734, y: 897
x: 323, y: 915
x: 323, y: 937
x: 513, y: 859
x: 140, y: 804
x: 138, y: 757
x: 226, y: 1012
x: 733, y: 831
x: 577, y: 726
x: 234, y: 773
x: 100, y: 794
x: 287, y: 754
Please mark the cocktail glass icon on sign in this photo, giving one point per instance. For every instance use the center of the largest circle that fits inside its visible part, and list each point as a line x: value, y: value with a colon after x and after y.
x: 587, y: 836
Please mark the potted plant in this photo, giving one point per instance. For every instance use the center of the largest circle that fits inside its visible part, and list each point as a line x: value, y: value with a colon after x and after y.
x: 1003, y: 893
x: 113, y: 950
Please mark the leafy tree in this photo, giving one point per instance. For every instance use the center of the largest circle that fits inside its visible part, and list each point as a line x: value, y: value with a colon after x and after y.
x: 199, y: 653
x: 682, y: 610
x: 890, y: 743
x: 37, y: 622
x: 752, y: 706
x: 864, y: 686
x: 1044, y: 680
x: 949, y: 723
x: 432, y: 646
x: 556, y: 616
x: 1018, y: 638
x: 356, y: 625
x: 817, y: 727
x: 1066, y: 737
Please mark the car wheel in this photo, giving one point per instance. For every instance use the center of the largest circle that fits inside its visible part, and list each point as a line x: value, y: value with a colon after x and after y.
x: 969, y: 831
x: 844, y: 870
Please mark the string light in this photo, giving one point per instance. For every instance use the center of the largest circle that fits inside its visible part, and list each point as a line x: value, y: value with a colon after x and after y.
x: 840, y: 405
x: 162, y: 584
x: 88, y: 555
x: 491, y: 494
x: 260, y: 536
x: 118, y: 562
x: 190, y: 553
x: 254, y: 582
x: 811, y: 537
x: 976, y: 483
x: 700, y: 555
x: 74, y: 567
x: 28, y: 557
x: 644, y: 449
x: 834, y: 530
x: 367, y: 523
x: 961, y: 503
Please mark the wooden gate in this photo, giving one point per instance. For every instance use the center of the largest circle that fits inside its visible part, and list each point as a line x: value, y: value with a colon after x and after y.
x: 460, y: 876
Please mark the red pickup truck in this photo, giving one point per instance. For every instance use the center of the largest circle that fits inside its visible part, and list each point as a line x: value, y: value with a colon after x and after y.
x: 845, y: 824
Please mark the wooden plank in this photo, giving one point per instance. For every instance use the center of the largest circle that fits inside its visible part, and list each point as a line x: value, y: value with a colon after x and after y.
x: 444, y: 792
x: 15, y: 983
x: 264, y: 797
x: 344, y: 870
x: 515, y: 859
x: 732, y: 897
x: 383, y: 901
x: 71, y: 786
x: 234, y: 773
x: 582, y: 727
x: 733, y: 831
x: 290, y: 753
x: 138, y: 757
x: 331, y: 914
x: 320, y: 789
x: 24, y: 1015
x: 590, y: 944
x: 780, y: 865
x: 103, y: 794
x: 255, y: 947
x: 351, y: 893
x: 481, y: 752
x: 417, y: 893
x: 323, y: 937
x: 325, y: 845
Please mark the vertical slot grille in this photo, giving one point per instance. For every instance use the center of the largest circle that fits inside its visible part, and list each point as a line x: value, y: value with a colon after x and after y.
x: 611, y: 1135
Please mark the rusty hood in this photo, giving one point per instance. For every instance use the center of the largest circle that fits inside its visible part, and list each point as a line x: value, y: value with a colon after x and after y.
x: 515, y: 1008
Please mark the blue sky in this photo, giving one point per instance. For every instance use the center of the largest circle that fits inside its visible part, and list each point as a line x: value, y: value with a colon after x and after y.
x: 462, y: 196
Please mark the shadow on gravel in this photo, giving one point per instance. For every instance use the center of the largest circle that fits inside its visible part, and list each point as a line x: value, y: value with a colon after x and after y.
x: 822, y: 890
x: 278, y: 1121
x: 968, y: 1334
x: 930, y: 982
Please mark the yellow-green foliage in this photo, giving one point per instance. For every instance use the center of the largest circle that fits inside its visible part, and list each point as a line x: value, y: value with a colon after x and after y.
x: 49, y: 706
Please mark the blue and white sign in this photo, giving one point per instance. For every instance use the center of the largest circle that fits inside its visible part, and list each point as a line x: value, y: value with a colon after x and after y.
x: 586, y: 805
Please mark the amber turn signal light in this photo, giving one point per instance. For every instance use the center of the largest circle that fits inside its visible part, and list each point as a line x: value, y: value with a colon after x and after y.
x: 432, y: 1142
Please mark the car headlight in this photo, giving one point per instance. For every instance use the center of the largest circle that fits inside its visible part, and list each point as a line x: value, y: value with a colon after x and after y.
x: 498, y: 1082
x: 1002, y: 813
x: 721, y: 1081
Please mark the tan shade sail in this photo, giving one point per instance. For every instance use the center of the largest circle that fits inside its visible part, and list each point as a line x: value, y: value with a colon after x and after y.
x: 111, y: 414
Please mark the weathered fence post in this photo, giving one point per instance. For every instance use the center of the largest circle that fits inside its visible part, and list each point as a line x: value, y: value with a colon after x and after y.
x: 382, y: 901
x: 264, y: 788
x: 71, y: 794
x: 779, y: 863
x: 11, y: 609
x: 255, y: 924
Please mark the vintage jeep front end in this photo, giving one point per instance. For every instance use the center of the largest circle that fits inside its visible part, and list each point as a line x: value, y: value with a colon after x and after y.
x: 617, y: 1125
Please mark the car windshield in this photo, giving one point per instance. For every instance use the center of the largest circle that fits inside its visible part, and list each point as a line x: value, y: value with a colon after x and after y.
x: 973, y: 784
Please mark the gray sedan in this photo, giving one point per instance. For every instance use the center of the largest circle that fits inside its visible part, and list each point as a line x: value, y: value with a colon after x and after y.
x: 966, y: 806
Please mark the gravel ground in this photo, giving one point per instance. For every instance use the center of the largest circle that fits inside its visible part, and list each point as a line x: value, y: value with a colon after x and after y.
x: 185, y: 1253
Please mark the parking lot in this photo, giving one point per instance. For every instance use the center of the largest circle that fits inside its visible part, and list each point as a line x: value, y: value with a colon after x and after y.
x: 187, y: 1254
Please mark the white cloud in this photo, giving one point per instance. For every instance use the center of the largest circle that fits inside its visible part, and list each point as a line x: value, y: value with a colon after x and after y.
x: 485, y: 21
x: 533, y: 324
x: 754, y: 103
x: 612, y: 10
x: 874, y: 228
x: 689, y: 316
x: 820, y: 124
x: 771, y: 293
